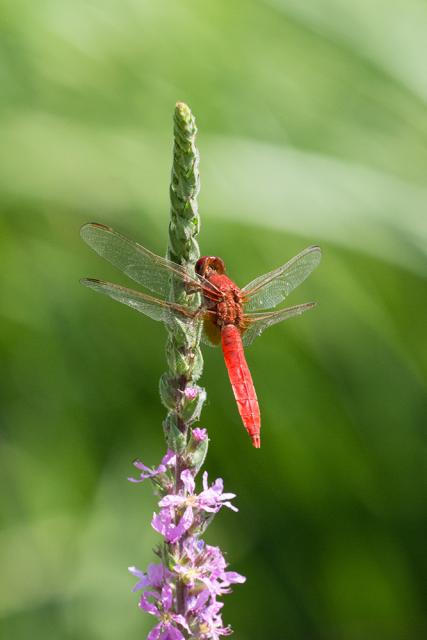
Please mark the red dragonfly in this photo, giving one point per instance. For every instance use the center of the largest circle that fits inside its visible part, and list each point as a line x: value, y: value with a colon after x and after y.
x: 232, y: 316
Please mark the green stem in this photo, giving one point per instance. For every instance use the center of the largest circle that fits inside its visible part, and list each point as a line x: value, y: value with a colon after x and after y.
x: 184, y: 358
x: 184, y: 189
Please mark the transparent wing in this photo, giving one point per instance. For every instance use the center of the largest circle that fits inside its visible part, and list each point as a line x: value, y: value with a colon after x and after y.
x: 269, y: 290
x: 151, y: 307
x: 258, y: 322
x: 148, y: 269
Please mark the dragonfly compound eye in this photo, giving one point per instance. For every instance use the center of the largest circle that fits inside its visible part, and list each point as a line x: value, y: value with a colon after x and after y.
x: 207, y: 263
x: 218, y: 265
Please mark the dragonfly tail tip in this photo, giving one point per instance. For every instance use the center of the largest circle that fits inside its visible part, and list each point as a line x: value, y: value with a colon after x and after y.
x: 256, y: 441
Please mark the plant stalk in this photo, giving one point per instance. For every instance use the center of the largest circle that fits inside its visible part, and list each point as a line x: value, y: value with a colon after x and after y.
x: 184, y: 358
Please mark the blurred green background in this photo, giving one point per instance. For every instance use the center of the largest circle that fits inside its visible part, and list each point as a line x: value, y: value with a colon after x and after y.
x: 313, y: 129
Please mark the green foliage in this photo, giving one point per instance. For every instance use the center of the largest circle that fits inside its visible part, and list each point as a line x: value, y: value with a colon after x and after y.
x: 313, y: 129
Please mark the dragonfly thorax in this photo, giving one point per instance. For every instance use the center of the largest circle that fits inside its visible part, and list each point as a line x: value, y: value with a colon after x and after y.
x: 228, y: 308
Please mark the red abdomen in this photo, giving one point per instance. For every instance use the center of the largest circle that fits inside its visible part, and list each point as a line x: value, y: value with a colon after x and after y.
x: 241, y: 381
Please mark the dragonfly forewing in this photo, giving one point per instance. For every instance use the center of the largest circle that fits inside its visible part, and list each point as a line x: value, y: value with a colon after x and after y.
x: 153, y: 272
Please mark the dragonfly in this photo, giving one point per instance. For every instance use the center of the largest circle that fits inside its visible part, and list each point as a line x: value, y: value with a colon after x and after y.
x: 231, y: 316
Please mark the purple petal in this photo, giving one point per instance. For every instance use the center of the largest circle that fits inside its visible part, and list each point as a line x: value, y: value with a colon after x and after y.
x: 157, y: 573
x: 171, y: 633
x: 141, y: 466
x: 163, y: 524
x: 171, y: 501
x: 167, y: 597
x: 158, y: 523
x: 149, y: 474
x: 205, y: 480
x: 230, y: 506
x: 154, y: 633
x: 169, y: 458
x: 209, y: 501
x: 136, y: 479
x: 143, y: 580
x: 208, y: 508
x: 228, y: 496
x: 199, y: 434
x: 188, y: 480
x: 187, y: 518
x: 136, y: 572
x: 234, y: 577
x: 175, y: 533
x: 218, y: 485
x: 148, y: 606
x: 180, y: 620
x: 196, y: 603
x: 212, y: 586
x: 139, y: 585
x: 191, y: 392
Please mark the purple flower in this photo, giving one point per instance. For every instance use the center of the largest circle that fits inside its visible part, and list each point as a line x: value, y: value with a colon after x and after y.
x: 217, y: 579
x: 168, y: 461
x: 191, y: 392
x: 162, y: 606
x: 199, y: 434
x: 192, y: 568
x: 211, y: 499
x: 211, y: 625
x: 202, y: 566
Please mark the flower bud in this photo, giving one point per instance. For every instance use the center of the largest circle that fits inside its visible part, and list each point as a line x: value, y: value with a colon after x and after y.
x: 197, y: 449
x: 192, y: 403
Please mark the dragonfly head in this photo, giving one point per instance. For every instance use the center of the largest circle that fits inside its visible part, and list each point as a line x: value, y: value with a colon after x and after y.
x: 208, y: 264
